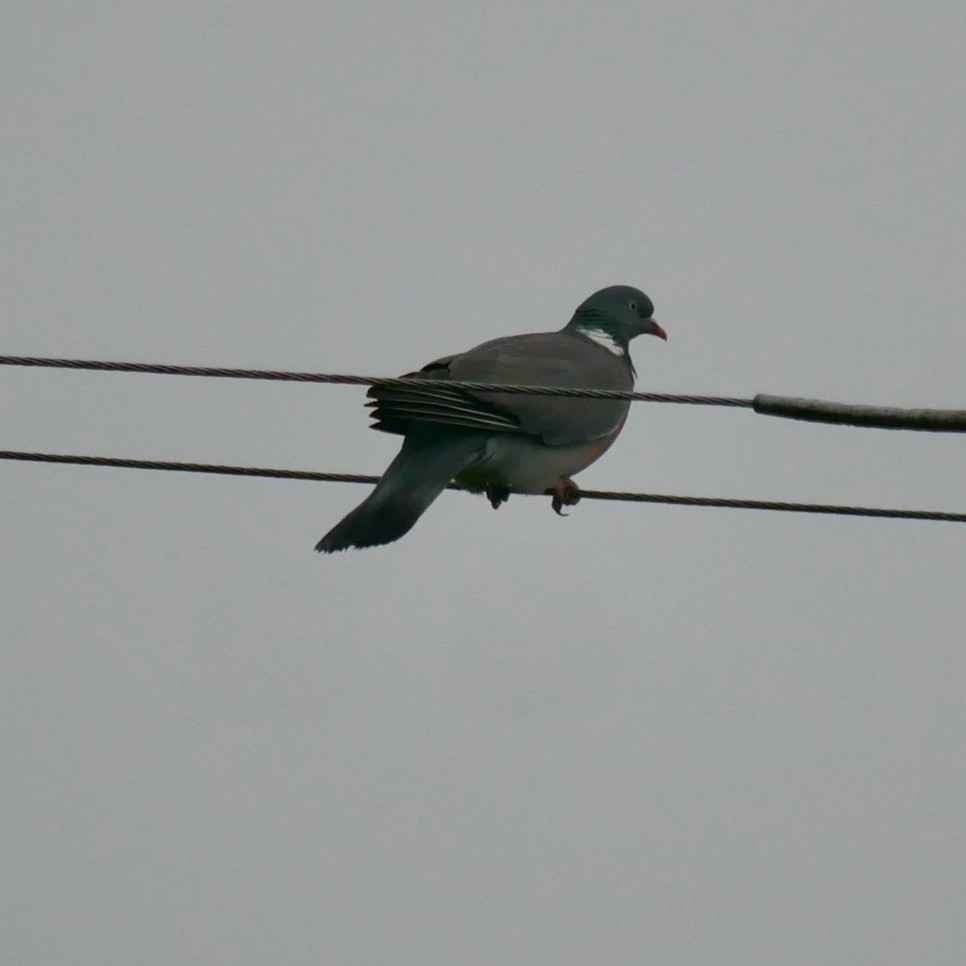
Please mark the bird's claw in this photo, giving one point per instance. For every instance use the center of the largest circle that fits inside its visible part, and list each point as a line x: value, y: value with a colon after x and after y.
x: 565, y: 493
x: 496, y: 494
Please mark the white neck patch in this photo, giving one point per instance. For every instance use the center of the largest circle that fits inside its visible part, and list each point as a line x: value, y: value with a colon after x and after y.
x: 605, y: 339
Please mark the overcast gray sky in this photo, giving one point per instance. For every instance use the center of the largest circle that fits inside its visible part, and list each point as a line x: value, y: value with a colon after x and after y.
x: 637, y: 734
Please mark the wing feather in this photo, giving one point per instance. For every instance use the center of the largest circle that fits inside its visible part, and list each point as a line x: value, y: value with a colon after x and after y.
x: 563, y: 358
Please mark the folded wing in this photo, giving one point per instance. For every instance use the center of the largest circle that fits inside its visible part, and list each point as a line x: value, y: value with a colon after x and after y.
x: 563, y: 359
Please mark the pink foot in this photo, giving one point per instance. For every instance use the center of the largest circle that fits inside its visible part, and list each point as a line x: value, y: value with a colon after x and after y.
x: 565, y: 493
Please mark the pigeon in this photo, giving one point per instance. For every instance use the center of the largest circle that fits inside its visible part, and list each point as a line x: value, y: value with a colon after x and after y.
x: 498, y: 443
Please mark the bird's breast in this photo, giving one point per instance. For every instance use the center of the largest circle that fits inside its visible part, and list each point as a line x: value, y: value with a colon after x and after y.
x: 524, y: 464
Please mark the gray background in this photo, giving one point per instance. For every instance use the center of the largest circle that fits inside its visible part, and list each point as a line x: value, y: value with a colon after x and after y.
x: 640, y: 734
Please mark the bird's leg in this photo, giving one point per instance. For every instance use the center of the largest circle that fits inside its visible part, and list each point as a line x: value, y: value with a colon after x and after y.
x: 565, y: 493
x: 496, y: 494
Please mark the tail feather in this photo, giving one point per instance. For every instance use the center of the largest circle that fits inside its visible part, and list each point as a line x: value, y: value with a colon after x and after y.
x: 418, y: 474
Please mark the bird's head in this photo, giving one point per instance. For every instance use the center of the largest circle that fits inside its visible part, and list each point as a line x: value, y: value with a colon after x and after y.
x: 613, y: 316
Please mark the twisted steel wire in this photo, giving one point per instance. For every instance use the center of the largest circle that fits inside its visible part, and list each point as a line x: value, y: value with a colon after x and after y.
x: 788, y: 407
x: 350, y: 380
x: 630, y: 497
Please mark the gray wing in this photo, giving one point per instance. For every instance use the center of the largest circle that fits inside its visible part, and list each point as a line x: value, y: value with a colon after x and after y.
x: 544, y: 359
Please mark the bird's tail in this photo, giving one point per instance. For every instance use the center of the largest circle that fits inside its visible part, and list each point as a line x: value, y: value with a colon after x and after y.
x: 417, y: 475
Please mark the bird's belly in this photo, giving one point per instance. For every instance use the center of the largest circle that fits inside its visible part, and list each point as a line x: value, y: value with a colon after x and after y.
x: 525, y: 465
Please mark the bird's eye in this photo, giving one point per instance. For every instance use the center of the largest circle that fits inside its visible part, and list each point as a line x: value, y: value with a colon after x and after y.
x: 633, y: 306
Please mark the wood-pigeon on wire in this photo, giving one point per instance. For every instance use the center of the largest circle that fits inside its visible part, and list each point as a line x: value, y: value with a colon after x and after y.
x: 497, y: 443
